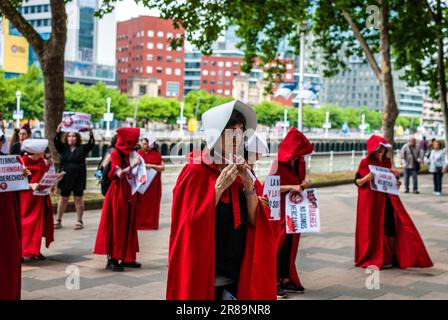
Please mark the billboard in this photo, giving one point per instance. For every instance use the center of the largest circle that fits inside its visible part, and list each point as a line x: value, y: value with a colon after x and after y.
x: 15, y: 50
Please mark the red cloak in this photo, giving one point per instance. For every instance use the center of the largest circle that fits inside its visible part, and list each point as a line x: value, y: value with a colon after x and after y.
x: 294, y: 147
x: 37, y: 212
x: 372, y: 247
x: 10, y: 247
x: 148, y: 204
x: 117, y: 232
x: 191, y: 266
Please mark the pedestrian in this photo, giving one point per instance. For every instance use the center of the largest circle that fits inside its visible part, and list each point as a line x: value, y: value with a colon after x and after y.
x: 437, y: 162
x: 385, y: 233
x: 18, y: 139
x: 411, y: 157
x: 36, y: 211
x: 423, y: 145
x: 148, y: 203
x: 117, y: 232
x: 217, y: 249
x: 2, y: 143
x: 291, y: 167
x: 73, y: 162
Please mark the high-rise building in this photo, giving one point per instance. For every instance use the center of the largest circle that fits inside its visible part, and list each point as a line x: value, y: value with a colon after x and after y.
x: 89, y: 51
x: 144, y: 51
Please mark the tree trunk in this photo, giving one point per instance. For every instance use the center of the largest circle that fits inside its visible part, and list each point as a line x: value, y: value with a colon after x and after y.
x: 390, y: 112
x: 441, y: 71
x: 53, y: 73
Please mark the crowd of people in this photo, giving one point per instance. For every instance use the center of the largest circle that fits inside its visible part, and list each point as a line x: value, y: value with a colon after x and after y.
x: 223, y: 243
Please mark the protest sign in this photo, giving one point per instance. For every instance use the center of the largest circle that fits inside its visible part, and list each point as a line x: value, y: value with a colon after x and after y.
x: 138, y: 175
x: 11, y: 175
x: 302, y: 212
x: 75, y: 122
x: 272, y: 192
x: 46, y: 184
x: 384, y: 180
x: 150, y: 175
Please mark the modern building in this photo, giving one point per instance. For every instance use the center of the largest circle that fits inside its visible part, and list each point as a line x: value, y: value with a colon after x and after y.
x: 432, y: 114
x: 218, y: 73
x: 358, y: 87
x: 144, y: 51
x: 89, y: 52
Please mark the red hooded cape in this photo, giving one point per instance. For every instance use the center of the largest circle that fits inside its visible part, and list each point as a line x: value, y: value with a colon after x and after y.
x: 372, y: 247
x: 191, y: 266
x: 294, y: 147
x: 148, y: 204
x: 10, y: 247
x: 36, y: 211
x: 117, y: 232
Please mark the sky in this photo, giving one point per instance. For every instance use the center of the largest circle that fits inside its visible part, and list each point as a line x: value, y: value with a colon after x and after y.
x: 128, y: 9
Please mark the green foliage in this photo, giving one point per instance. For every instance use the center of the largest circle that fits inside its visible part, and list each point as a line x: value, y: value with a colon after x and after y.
x: 158, y: 109
x: 206, y: 101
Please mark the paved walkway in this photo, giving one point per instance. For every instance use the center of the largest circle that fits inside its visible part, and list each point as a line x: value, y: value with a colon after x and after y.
x: 325, y: 260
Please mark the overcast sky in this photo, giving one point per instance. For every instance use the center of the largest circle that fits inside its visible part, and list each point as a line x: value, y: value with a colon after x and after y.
x: 127, y: 9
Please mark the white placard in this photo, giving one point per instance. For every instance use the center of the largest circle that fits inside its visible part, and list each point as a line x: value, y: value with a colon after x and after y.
x: 384, y: 180
x: 302, y: 212
x: 272, y: 192
x: 150, y: 175
x: 108, y: 117
x: 11, y: 175
x: 48, y: 181
x: 75, y: 122
x: 138, y: 176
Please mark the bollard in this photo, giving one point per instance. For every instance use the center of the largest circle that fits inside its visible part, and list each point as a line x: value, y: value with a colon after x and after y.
x: 363, y: 154
x: 309, y: 163
x: 352, y: 162
x: 331, y: 161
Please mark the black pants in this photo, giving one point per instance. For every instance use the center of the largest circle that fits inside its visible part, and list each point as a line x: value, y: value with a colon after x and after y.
x: 283, y: 257
x: 438, y: 181
x: 232, y: 288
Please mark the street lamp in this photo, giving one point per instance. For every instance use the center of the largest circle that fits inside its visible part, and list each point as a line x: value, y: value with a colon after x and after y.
x: 303, y: 28
x: 108, y: 117
x: 18, y: 94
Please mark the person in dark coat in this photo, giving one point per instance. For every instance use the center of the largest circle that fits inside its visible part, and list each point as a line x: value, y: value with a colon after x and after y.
x: 18, y: 138
x: 73, y: 162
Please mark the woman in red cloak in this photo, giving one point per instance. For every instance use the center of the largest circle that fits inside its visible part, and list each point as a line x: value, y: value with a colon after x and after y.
x: 10, y: 245
x: 117, y: 232
x: 37, y: 211
x: 221, y: 243
x: 148, y: 204
x: 290, y: 166
x: 385, y: 233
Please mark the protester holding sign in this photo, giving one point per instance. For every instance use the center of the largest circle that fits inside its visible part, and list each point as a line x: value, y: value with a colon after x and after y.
x: 117, y: 232
x: 221, y: 244
x: 385, y: 233
x: 290, y: 166
x: 10, y: 225
x: 148, y: 202
x: 18, y: 138
x: 73, y: 162
x: 37, y: 211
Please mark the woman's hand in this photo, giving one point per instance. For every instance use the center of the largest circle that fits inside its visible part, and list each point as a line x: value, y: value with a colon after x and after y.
x: 264, y: 201
x: 306, y: 184
x: 242, y: 166
x: 296, y: 188
x: 26, y: 172
x: 33, y: 186
x: 58, y: 130
x: 225, y: 179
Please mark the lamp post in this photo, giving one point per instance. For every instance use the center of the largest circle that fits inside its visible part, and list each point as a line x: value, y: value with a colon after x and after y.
x: 302, y: 29
x: 107, y: 117
x: 18, y: 95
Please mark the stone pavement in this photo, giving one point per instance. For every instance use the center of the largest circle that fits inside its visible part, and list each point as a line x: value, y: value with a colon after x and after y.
x: 325, y: 259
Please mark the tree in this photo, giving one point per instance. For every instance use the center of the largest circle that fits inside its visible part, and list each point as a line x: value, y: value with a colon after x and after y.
x: 51, y: 57
x: 203, y: 101
x: 420, y: 47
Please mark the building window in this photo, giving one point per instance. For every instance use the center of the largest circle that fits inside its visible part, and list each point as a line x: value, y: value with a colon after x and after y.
x: 160, y: 34
x: 204, y: 81
x: 227, y: 92
x: 288, y: 76
x: 177, y: 72
x: 168, y: 71
x: 205, y: 72
x: 150, y: 33
x: 160, y: 46
x: 172, y: 89
x: 228, y: 73
x: 141, y: 90
x: 169, y: 59
x: 228, y: 64
x: 149, y: 57
x: 178, y: 60
x: 148, y: 70
x: 221, y: 64
x: 169, y: 35
x: 219, y: 91
x: 150, y: 45
x: 159, y: 69
x: 213, y: 73
x: 159, y: 58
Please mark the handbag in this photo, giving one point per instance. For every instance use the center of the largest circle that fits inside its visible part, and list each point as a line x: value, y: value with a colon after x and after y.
x: 417, y: 165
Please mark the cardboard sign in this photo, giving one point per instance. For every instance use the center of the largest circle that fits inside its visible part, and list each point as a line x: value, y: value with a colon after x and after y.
x: 150, y: 175
x: 272, y: 192
x: 11, y: 175
x: 302, y: 212
x: 138, y: 176
x: 46, y: 184
x: 384, y: 180
x: 75, y: 122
